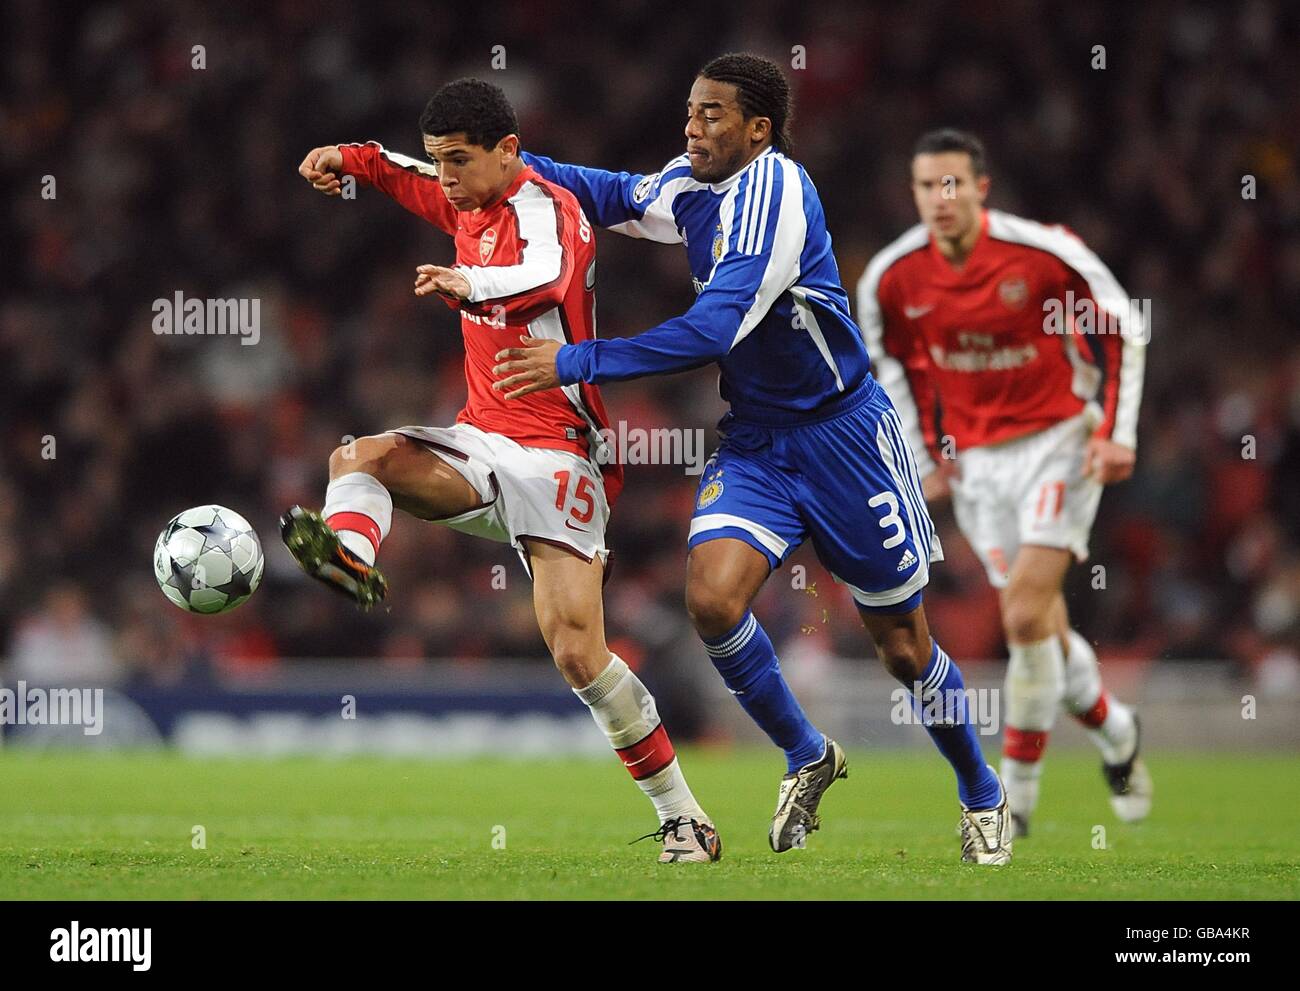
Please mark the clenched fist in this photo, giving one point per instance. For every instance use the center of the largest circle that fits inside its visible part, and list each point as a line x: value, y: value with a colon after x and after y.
x: 321, y: 168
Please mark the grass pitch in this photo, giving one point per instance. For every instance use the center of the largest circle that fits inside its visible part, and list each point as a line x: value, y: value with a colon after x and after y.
x: 119, y: 826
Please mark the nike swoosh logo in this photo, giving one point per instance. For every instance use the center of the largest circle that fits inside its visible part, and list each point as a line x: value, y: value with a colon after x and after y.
x: 916, y: 312
x: 570, y: 525
x: 641, y: 761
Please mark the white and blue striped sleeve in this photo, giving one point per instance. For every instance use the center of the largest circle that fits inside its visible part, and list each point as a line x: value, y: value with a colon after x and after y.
x: 636, y: 205
x: 765, y: 229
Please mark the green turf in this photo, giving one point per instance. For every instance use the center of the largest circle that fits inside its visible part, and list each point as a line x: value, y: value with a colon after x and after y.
x: 120, y: 826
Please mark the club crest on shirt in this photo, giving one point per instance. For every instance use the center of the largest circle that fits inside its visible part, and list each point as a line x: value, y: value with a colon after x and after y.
x: 709, y: 494
x: 718, y: 244
x: 643, y: 188
x: 1014, y: 293
x: 486, y: 243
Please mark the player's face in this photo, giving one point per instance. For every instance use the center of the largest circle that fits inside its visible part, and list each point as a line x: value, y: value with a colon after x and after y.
x: 948, y: 194
x: 472, y: 176
x: 719, y: 140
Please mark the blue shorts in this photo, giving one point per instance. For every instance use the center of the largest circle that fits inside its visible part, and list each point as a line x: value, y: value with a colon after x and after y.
x: 846, y: 479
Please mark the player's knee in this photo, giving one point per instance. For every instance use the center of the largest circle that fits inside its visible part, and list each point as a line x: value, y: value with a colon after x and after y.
x: 366, y: 454
x: 714, y: 610
x: 357, y: 455
x: 903, y: 657
x: 577, y: 654
x: 569, y: 657
x: 1027, y: 620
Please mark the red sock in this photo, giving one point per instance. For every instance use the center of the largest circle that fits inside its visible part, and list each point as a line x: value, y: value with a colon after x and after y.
x: 357, y: 523
x: 1095, y: 716
x: 648, y: 756
x: 1023, y: 744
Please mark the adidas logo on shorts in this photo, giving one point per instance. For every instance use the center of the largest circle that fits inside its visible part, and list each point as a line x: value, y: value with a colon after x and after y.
x: 907, y: 561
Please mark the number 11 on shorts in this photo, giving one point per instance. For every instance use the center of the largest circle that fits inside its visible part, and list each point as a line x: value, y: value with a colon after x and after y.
x: 581, y: 494
x: 1051, y: 500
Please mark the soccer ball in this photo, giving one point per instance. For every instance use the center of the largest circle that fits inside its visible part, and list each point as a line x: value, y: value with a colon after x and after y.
x: 208, y: 560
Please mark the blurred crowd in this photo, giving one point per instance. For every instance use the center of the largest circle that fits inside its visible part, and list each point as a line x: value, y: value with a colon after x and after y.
x: 136, y: 165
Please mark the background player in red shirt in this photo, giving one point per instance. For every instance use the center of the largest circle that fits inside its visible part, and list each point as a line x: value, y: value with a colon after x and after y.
x: 978, y: 324
x: 524, y: 473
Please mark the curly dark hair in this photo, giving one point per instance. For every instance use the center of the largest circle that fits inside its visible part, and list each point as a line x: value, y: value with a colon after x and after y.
x: 950, y: 139
x: 761, y: 88
x: 472, y: 106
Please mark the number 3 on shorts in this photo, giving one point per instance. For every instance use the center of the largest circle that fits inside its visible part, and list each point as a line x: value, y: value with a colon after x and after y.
x: 889, y: 519
x: 581, y: 494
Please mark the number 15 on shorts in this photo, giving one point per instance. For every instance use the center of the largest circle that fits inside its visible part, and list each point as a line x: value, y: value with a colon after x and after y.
x: 582, y: 506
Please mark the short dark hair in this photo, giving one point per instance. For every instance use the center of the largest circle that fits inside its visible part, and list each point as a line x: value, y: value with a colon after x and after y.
x: 472, y: 106
x: 950, y: 139
x: 761, y: 89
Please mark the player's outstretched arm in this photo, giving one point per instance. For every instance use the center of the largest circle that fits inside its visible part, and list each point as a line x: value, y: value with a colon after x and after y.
x: 411, y: 182
x: 745, y: 283
x: 682, y: 343
x: 737, y: 297
x: 624, y: 202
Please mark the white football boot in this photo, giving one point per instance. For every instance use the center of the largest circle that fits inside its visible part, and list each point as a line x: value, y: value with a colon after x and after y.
x: 800, y: 793
x: 687, y: 841
x: 986, y: 833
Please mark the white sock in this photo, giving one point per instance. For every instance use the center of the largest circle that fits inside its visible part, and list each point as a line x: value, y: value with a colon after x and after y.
x: 1020, y: 778
x: 360, y: 510
x: 625, y: 711
x: 1034, y: 685
x: 1116, y: 734
x: 671, y: 795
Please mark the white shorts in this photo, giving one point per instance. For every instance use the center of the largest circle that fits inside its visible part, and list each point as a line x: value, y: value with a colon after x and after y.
x: 533, y: 493
x: 1029, y: 490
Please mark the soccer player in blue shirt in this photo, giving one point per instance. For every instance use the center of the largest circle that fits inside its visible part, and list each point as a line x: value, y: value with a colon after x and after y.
x: 811, y: 448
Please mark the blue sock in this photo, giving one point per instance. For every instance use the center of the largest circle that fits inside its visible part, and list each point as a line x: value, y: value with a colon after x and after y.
x: 748, y: 665
x: 942, y: 707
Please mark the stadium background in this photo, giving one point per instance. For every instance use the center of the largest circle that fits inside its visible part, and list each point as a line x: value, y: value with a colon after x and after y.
x: 173, y: 178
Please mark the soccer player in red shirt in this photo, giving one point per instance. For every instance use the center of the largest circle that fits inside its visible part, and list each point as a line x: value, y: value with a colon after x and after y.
x: 531, y: 474
x: 978, y: 324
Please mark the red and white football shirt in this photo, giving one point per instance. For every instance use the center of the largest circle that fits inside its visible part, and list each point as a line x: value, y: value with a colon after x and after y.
x: 530, y: 261
x: 970, y: 352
